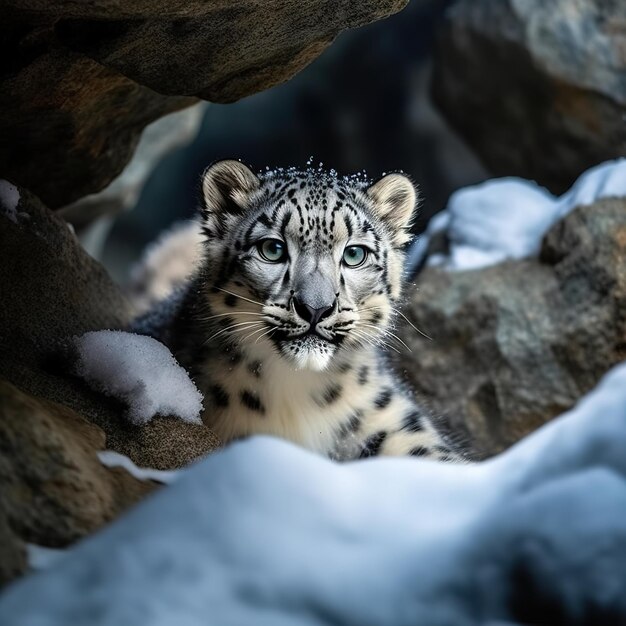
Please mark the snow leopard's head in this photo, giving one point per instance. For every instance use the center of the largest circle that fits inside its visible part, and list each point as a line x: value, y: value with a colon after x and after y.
x: 304, y: 263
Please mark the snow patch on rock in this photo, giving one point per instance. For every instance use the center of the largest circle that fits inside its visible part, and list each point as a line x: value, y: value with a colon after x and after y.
x: 141, y: 372
x: 507, y: 218
x: 109, y: 458
x: 41, y: 557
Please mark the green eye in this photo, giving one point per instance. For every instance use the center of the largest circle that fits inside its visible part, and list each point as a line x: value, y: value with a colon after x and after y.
x: 353, y: 256
x: 272, y: 250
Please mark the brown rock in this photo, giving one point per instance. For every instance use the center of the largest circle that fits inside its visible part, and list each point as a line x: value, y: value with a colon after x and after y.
x: 54, y: 489
x: 53, y: 290
x: 12, y: 553
x: 79, y: 81
x: 536, y: 88
x: 518, y: 343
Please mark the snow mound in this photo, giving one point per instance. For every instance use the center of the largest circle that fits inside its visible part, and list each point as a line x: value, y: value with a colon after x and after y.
x: 266, y: 533
x: 139, y: 371
x: 507, y: 218
x: 9, y: 199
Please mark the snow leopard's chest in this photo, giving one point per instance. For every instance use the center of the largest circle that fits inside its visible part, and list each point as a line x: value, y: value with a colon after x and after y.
x: 344, y: 413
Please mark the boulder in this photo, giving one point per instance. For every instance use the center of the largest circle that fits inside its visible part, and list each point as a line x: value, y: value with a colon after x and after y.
x: 52, y: 290
x: 53, y: 488
x: 158, y: 139
x: 536, y: 88
x: 79, y: 81
x: 515, y: 344
x: 13, y: 561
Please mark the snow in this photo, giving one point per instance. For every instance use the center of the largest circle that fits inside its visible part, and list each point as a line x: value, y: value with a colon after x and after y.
x: 41, y: 557
x: 9, y: 199
x: 507, y: 218
x: 139, y: 371
x: 109, y: 458
x: 264, y: 532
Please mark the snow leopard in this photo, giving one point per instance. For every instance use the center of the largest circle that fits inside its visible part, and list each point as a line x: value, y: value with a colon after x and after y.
x: 285, y: 320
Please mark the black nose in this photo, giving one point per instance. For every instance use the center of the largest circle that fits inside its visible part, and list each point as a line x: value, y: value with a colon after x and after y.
x: 309, y: 314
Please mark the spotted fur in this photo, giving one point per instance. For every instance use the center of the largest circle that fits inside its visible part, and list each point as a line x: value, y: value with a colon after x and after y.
x: 296, y: 348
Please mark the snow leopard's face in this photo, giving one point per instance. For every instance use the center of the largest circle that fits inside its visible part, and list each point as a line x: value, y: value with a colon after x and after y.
x: 305, y: 263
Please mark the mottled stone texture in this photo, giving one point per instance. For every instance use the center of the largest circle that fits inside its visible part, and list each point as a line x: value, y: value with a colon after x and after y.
x: 537, y: 89
x: 53, y: 489
x: 79, y: 81
x: 518, y: 343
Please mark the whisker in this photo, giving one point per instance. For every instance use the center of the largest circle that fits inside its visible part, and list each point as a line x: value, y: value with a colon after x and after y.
x: 399, y: 312
x: 271, y: 330
x: 232, y: 293
x: 380, y: 341
x: 229, y: 328
x: 254, y: 332
x: 388, y: 332
x: 363, y: 336
x: 233, y: 313
x: 411, y: 324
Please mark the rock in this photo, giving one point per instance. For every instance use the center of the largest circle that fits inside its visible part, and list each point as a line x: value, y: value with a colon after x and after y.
x: 218, y: 51
x: 51, y: 290
x: 536, y: 88
x: 54, y: 488
x: 518, y: 343
x: 157, y: 140
x: 78, y: 82
x: 12, y: 553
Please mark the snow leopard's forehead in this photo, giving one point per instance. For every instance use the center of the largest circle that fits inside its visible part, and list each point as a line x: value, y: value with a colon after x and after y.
x: 316, y: 206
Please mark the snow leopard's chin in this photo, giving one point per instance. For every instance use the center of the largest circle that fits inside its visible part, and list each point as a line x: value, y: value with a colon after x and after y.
x: 310, y: 352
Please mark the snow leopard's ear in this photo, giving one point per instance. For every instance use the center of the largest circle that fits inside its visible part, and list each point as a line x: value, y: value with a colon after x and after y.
x: 394, y: 199
x: 226, y: 188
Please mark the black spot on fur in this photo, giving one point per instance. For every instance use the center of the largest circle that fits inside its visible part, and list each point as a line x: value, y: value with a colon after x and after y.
x: 413, y: 422
x: 251, y: 400
x: 384, y: 398
x: 373, y: 443
x: 255, y: 368
x: 364, y: 373
x: 219, y: 396
x: 234, y: 356
x: 330, y: 395
x: 376, y: 317
x: 344, y: 367
x: 419, y: 451
x: 352, y: 424
x: 230, y: 300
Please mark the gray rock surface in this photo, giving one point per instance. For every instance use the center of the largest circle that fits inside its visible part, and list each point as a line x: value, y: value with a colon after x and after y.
x: 12, y: 553
x: 515, y: 344
x: 537, y: 89
x: 79, y: 81
x: 157, y: 140
x: 53, y: 489
x: 52, y: 289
